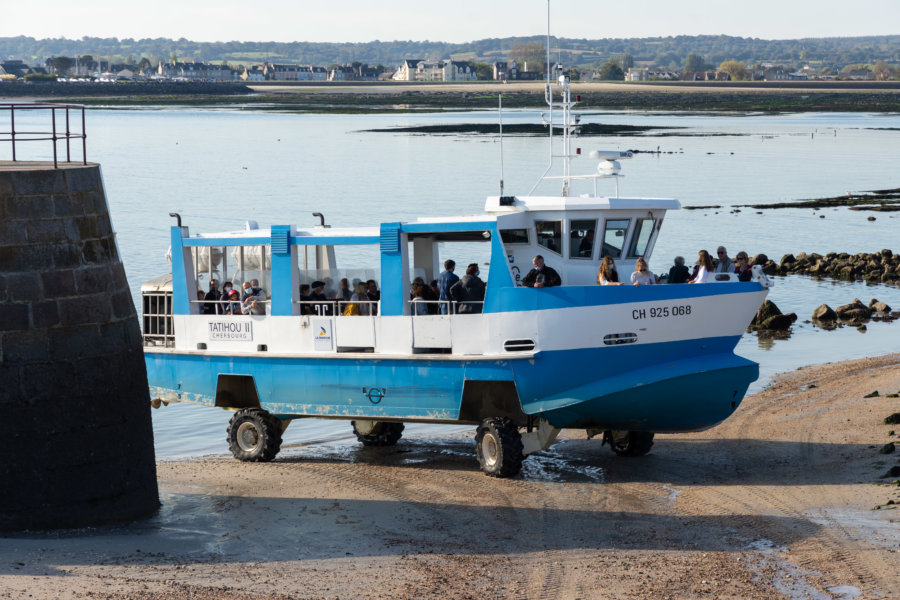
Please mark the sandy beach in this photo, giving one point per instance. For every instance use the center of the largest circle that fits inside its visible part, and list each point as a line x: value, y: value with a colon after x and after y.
x: 777, y: 502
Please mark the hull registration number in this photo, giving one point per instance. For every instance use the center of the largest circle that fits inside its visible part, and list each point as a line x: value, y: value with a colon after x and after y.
x: 661, y: 312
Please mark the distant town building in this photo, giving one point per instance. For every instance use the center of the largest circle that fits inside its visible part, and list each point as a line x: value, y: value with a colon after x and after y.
x: 407, y: 70
x: 194, y: 71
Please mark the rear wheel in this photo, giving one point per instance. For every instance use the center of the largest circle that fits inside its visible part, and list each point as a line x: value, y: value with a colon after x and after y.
x: 498, y: 445
x: 254, y: 435
x: 377, y: 433
x: 629, y: 443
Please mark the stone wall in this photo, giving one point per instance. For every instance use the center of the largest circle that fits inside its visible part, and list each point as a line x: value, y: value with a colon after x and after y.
x: 77, y: 443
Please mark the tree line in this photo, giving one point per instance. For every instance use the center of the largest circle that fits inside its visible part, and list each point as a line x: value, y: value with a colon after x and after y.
x: 661, y: 52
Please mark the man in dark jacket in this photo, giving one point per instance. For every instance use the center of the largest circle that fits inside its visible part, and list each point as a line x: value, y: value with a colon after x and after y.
x: 468, y: 292
x: 445, y: 281
x: 679, y: 273
x: 541, y: 275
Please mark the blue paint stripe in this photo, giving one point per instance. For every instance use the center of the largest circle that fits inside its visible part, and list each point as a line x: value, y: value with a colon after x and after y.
x: 509, y: 299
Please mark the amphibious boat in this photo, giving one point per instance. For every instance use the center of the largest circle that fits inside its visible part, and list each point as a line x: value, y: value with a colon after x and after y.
x: 622, y: 361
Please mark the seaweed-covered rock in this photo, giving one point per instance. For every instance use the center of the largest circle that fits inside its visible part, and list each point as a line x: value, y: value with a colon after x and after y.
x: 855, y: 310
x: 759, y: 259
x: 770, y: 318
x: 824, y: 313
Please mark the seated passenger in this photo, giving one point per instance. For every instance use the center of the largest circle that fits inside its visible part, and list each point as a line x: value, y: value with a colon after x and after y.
x: 373, y: 295
x: 233, y: 306
x: 742, y: 267
x: 305, y: 307
x: 254, y: 304
x: 642, y: 275
x: 358, y: 304
x: 419, y: 305
x: 345, y: 292
x: 468, y: 292
x: 317, y: 294
x: 679, y: 273
x: 541, y: 275
x: 607, y: 274
x: 587, y: 244
x: 705, y: 267
x: 724, y: 264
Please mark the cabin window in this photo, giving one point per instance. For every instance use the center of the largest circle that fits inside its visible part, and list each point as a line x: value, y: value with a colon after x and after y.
x: 581, y: 238
x: 549, y: 235
x: 641, y: 238
x: 514, y: 236
x: 614, y: 237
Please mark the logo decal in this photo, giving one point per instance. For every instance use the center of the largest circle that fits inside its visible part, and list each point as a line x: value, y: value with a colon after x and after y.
x: 375, y: 394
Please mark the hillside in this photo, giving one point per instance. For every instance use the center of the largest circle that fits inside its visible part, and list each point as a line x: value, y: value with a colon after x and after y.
x: 668, y: 52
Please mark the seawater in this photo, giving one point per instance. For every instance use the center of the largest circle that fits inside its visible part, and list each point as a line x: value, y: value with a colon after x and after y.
x: 219, y: 168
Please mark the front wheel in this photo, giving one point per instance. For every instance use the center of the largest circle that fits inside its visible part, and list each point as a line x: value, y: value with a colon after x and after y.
x: 377, y: 433
x: 498, y: 445
x: 629, y: 443
x: 254, y: 435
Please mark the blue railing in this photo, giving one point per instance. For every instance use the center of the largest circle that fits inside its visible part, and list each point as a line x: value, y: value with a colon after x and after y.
x: 59, y: 129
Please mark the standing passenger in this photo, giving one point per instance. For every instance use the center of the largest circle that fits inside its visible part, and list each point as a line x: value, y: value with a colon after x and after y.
x: 468, y: 292
x: 373, y: 295
x: 444, y: 282
x: 541, y: 275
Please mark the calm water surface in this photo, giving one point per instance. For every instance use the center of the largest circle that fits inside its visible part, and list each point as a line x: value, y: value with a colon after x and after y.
x: 219, y: 168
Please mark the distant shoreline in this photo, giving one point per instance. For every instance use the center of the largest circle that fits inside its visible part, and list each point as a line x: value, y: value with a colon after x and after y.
x: 355, y: 97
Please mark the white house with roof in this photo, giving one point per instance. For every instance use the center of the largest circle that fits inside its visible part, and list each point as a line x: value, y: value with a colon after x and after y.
x: 407, y: 70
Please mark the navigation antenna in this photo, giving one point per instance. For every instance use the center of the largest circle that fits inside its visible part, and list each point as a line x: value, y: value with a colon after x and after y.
x: 500, y: 115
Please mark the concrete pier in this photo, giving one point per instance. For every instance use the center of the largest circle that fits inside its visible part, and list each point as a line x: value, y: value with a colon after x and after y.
x: 77, y: 440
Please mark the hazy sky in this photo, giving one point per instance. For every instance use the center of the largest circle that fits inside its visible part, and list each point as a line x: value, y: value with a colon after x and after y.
x: 452, y: 21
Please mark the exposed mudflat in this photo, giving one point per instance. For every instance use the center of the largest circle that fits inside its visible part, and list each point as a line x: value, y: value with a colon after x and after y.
x: 778, y: 502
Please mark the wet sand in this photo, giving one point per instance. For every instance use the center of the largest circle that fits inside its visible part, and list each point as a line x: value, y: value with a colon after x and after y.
x: 777, y: 502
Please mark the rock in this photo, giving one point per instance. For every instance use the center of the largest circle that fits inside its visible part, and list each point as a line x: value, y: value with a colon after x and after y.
x: 770, y: 268
x: 886, y: 253
x: 878, y: 306
x: 824, y: 313
x: 892, y: 472
x: 854, y: 310
x: 893, y: 419
x: 759, y: 259
x: 870, y: 219
x: 779, y: 322
x: 872, y: 395
x: 786, y: 260
x: 887, y: 448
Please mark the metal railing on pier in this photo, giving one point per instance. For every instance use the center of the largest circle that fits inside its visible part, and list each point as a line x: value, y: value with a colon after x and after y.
x: 61, y: 117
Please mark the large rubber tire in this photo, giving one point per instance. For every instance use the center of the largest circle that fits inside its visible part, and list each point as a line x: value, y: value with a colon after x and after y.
x: 383, y: 433
x: 254, y: 435
x: 636, y: 443
x: 498, y: 445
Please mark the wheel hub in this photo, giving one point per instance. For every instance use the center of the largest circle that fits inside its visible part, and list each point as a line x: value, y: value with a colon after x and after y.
x: 248, y: 437
x: 490, y: 449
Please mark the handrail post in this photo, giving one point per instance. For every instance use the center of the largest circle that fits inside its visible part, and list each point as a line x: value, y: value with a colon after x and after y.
x: 53, y: 136
x: 83, y: 139
x: 12, y: 126
x: 68, y: 138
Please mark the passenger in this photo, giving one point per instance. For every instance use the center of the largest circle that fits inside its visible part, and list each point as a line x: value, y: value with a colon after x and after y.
x: 212, y: 298
x: 706, y: 267
x: 201, y: 297
x: 742, y: 268
x: 358, y: 299
x: 468, y: 292
x: 317, y: 294
x: 248, y: 290
x: 587, y: 244
x: 305, y: 307
x: 642, y: 275
x: 679, y: 273
x: 254, y: 304
x: 434, y: 294
x: 607, y: 274
x: 724, y: 265
x: 541, y: 275
x: 233, y: 307
x: 428, y: 297
x: 373, y: 295
x: 419, y: 305
x: 414, y: 285
x: 444, y: 282
x: 344, y: 292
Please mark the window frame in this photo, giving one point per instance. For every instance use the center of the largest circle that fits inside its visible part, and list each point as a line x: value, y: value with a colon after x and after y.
x: 625, y: 241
